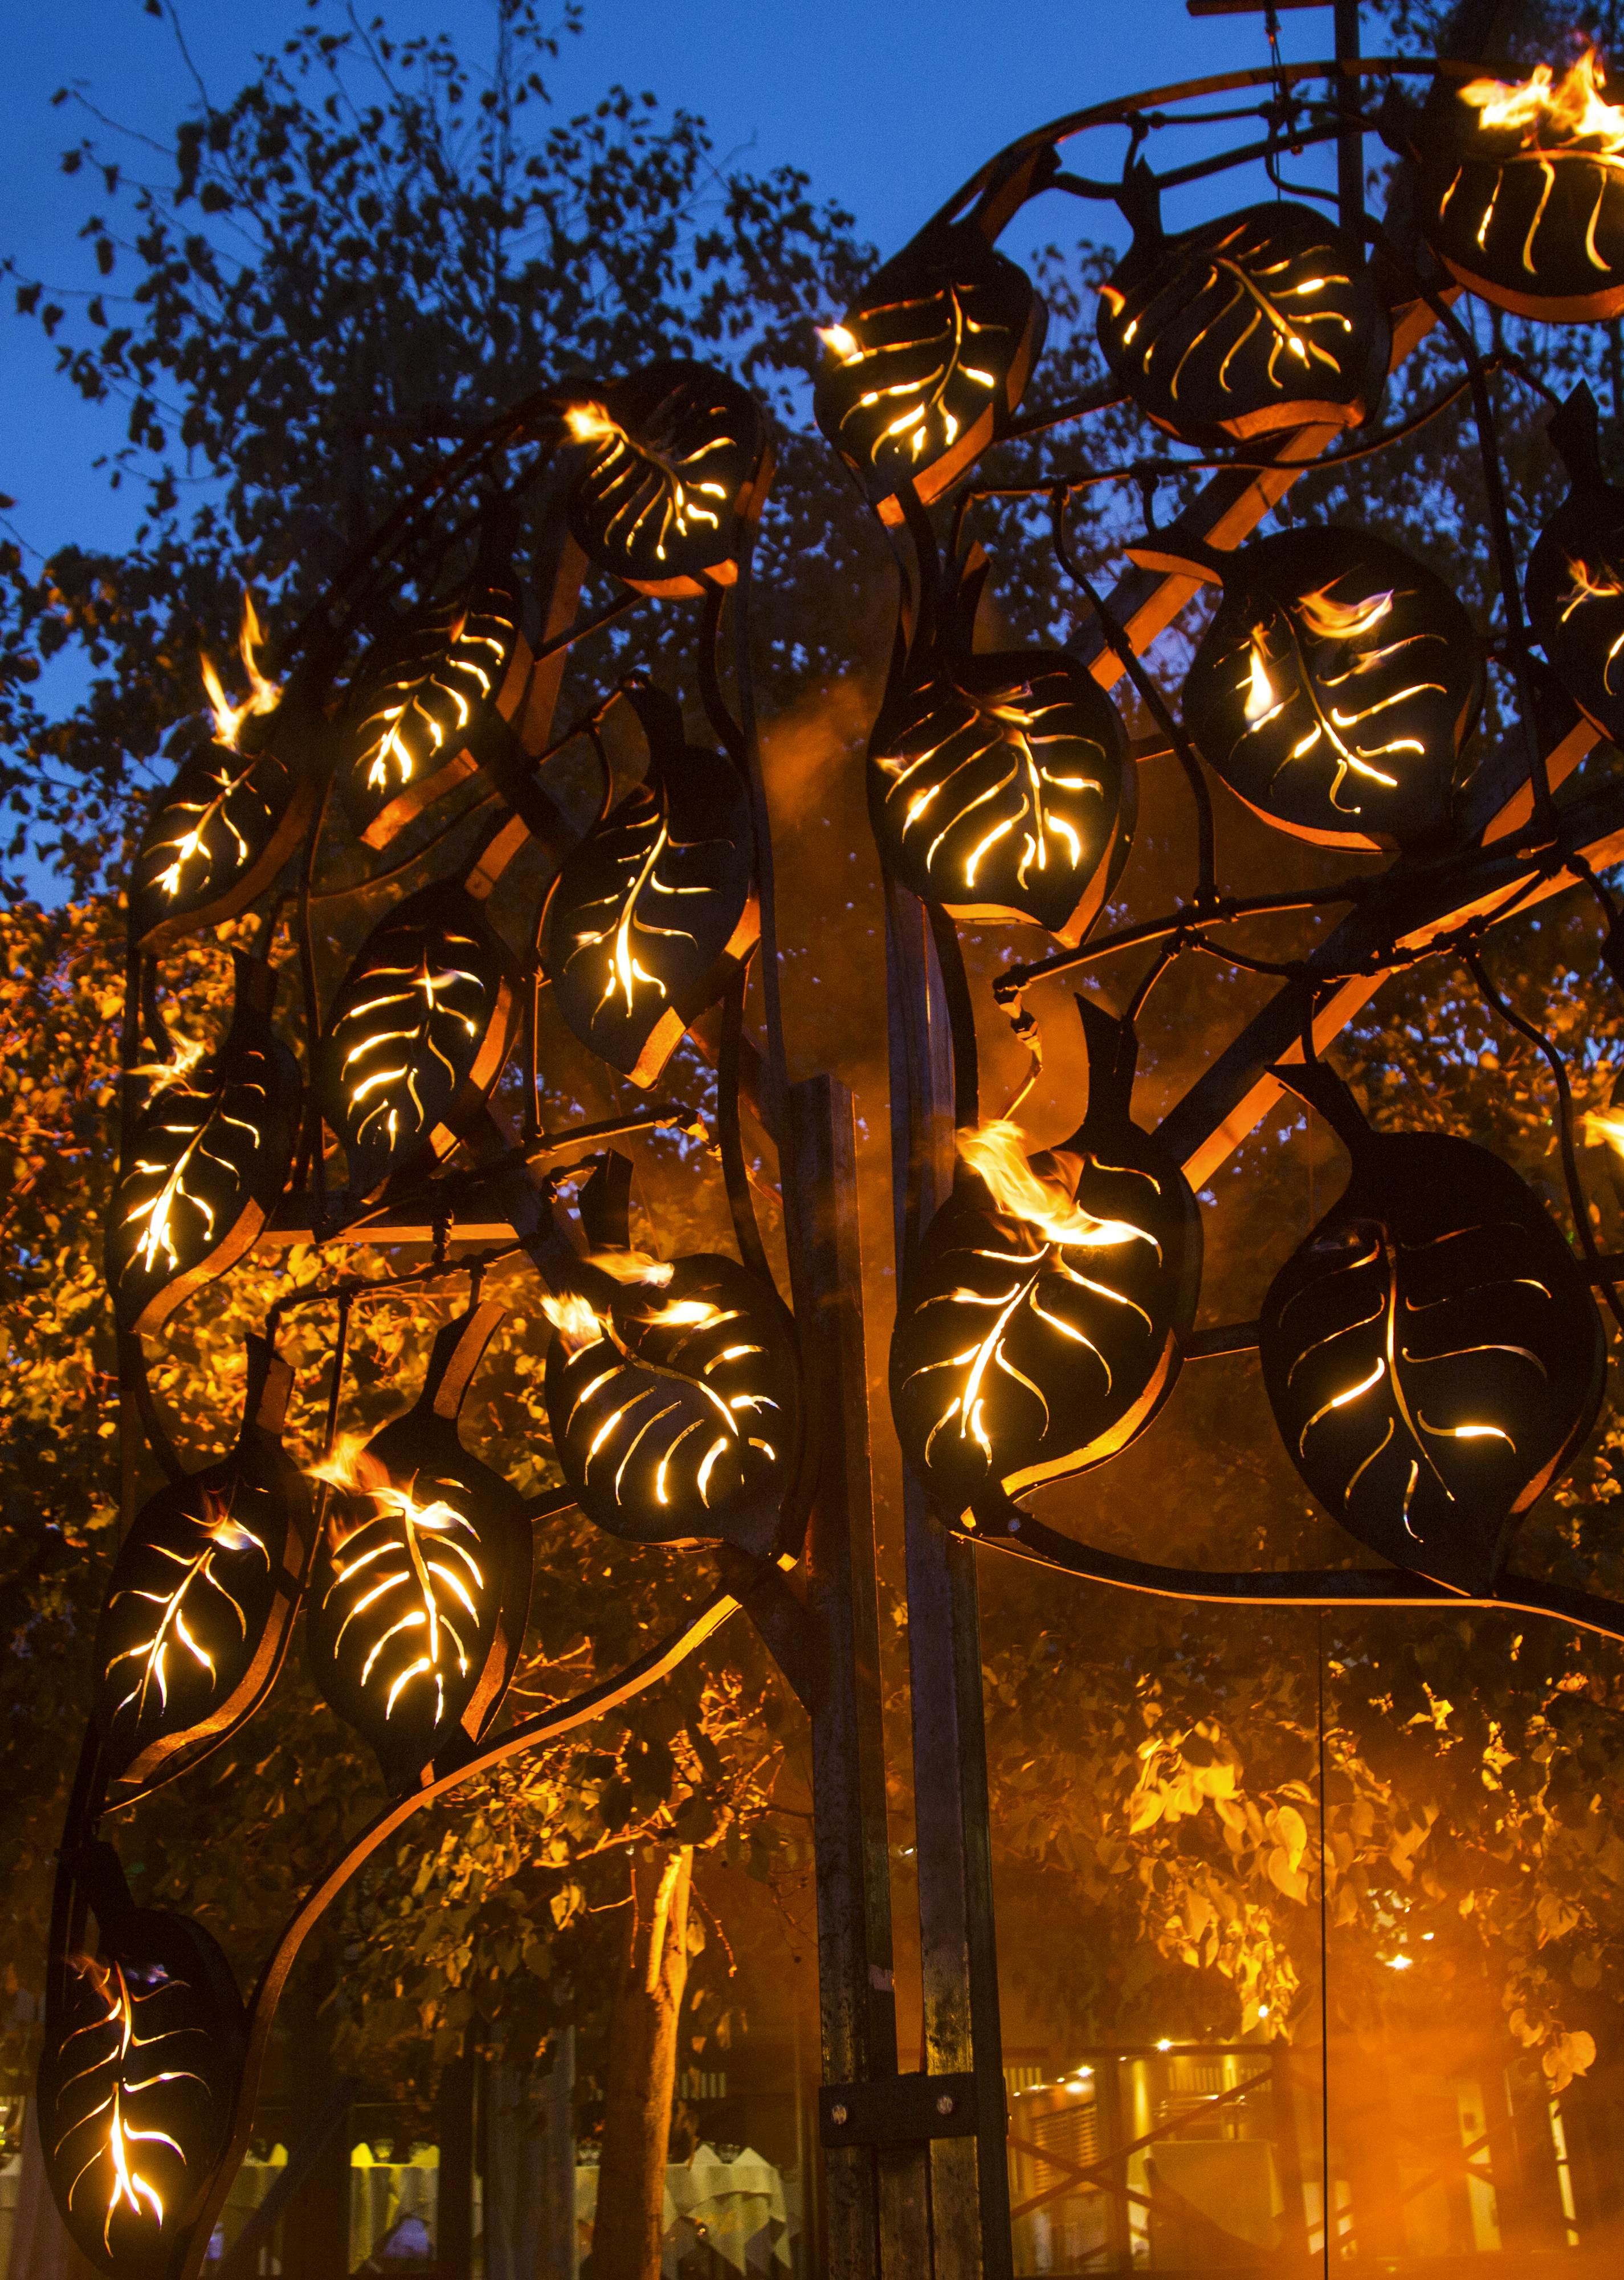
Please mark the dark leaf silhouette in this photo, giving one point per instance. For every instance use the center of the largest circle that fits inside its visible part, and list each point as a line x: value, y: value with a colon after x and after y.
x: 206, y: 1160
x: 204, y: 1592
x: 1575, y: 575
x: 1432, y: 1351
x: 417, y: 1035
x: 421, y: 1585
x: 1519, y: 188
x: 928, y: 363
x: 423, y: 705
x: 1043, y: 1318
x: 673, y: 1392
x: 1262, y: 320
x: 656, y: 909
x: 1334, y: 688
x: 680, y: 466
x: 144, y: 2048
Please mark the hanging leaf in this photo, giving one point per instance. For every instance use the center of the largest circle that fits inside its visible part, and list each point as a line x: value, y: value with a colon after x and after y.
x: 655, y: 911
x: 206, y: 1160
x: 215, y: 839
x: 1334, y: 689
x: 675, y: 1396
x: 1432, y: 1352
x: 1575, y: 575
x: 421, y: 1586
x: 1519, y: 188
x: 679, y: 468
x: 418, y: 1033
x: 929, y: 363
x: 143, y: 2051
x: 1000, y: 787
x: 1262, y: 320
x: 426, y: 701
x: 202, y: 1596
x: 1043, y: 1317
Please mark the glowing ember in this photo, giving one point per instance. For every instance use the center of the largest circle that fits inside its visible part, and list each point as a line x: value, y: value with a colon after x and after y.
x: 1342, y: 621
x: 997, y: 1153
x: 263, y: 695
x: 1549, y: 111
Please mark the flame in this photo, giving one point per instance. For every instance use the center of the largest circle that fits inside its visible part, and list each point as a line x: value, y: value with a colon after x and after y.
x: 590, y: 423
x: 579, y: 1322
x: 264, y: 696
x: 574, y: 1319
x: 162, y: 1074
x: 1609, y: 1128
x: 1590, y: 586
x: 998, y: 1152
x: 1342, y: 621
x: 1568, y: 110
x: 844, y: 343
x: 1260, y: 698
x: 632, y: 1266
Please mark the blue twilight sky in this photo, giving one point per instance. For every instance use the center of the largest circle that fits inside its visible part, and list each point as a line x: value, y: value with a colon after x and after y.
x: 886, y: 104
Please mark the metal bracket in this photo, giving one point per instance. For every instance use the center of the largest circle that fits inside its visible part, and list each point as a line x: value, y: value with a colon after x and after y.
x: 902, y: 2109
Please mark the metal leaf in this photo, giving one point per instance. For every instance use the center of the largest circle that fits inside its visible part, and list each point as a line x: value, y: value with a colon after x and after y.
x: 679, y: 468
x: 1575, y: 575
x: 675, y: 1396
x: 929, y: 363
x: 1519, y: 188
x: 656, y: 909
x: 423, y: 703
x: 418, y: 1033
x: 202, y: 1596
x: 421, y: 1585
x: 1000, y: 787
x: 215, y: 838
x: 1043, y: 1317
x: 144, y: 2048
x: 206, y: 1160
x: 1432, y: 1351
x: 1334, y: 688
x: 1262, y: 320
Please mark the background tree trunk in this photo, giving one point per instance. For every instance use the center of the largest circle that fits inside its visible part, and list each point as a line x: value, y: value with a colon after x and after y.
x: 642, y: 2059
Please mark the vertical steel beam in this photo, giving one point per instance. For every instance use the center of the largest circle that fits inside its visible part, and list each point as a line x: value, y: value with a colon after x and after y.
x: 969, y: 2178
x: 874, y: 2214
x: 1350, y: 144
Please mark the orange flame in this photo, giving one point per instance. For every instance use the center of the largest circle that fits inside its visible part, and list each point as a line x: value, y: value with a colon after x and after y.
x: 576, y: 1321
x: 1590, y: 586
x: 1548, y: 110
x: 1609, y: 1128
x: 844, y: 343
x: 589, y: 423
x: 264, y: 696
x: 998, y: 1153
x: 1261, y: 698
x: 162, y: 1074
x: 1342, y: 621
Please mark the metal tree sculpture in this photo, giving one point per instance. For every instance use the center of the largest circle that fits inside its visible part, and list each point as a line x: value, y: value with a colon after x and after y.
x: 1431, y: 1353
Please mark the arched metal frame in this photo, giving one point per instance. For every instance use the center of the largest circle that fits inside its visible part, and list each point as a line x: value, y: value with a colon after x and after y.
x: 915, y: 2173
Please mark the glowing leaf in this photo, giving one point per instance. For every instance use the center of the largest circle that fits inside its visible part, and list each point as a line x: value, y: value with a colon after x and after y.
x: 417, y: 1035
x: 675, y: 1396
x: 1520, y: 189
x: 1043, y: 1321
x: 427, y: 702
x: 1575, y: 575
x: 216, y: 838
x: 656, y: 909
x: 1334, y: 688
x: 1432, y: 1352
x: 421, y: 1585
x: 144, y: 2048
x: 203, y: 1594
x: 1262, y: 320
x: 679, y: 465
x: 205, y: 1162
x: 929, y: 363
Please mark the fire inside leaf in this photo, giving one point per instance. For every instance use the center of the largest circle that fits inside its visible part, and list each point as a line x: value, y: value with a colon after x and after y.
x: 1576, y: 576
x: 1520, y: 189
x: 679, y: 465
x: 425, y: 703
x: 418, y: 1033
x: 656, y: 909
x: 1432, y: 1352
x: 1333, y: 689
x: 675, y: 1396
x: 929, y: 363
x: 206, y: 1160
x: 1265, y: 319
x: 213, y: 841
x: 999, y: 786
